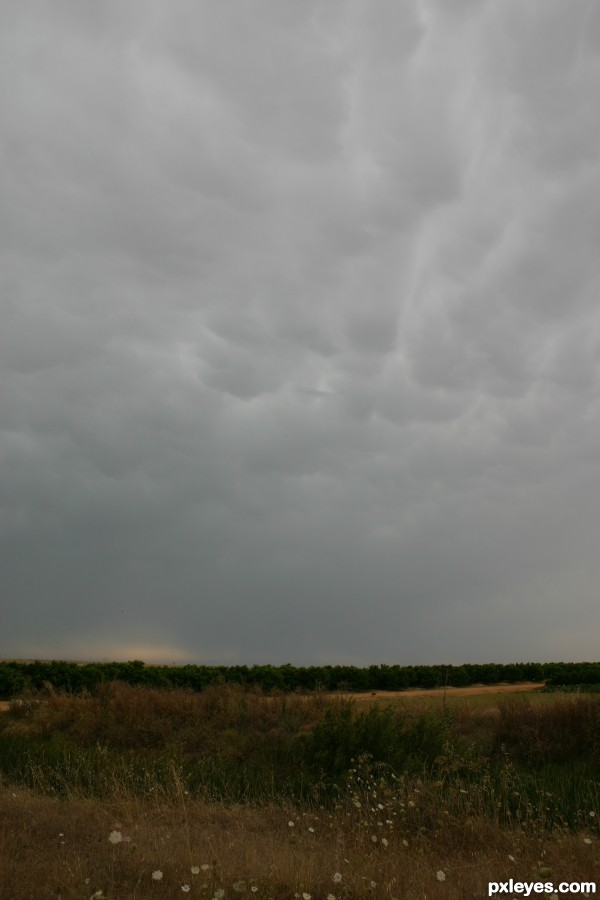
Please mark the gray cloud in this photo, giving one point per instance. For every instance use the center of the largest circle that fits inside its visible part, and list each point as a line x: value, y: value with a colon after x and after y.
x: 299, y: 349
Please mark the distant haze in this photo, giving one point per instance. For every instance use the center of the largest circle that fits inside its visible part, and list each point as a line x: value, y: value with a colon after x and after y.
x: 300, y: 330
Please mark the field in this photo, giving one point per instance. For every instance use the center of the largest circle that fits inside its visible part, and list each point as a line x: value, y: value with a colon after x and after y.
x: 481, y: 695
x: 134, y: 792
x: 488, y: 695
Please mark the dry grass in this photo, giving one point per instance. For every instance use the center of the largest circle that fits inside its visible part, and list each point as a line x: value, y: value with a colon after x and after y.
x: 61, y: 850
x: 470, y: 699
x: 134, y: 716
x: 450, y: 693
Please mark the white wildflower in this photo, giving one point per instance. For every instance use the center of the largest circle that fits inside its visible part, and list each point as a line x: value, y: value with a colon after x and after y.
x: 157, y: 875
x: 115, y: 837
x: 337, y: 877
x: 441, y: 876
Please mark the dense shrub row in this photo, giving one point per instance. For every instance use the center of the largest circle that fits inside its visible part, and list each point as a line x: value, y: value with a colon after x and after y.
x: 68, y: 676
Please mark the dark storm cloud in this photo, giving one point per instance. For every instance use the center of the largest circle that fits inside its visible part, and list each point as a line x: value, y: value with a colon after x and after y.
x: 300, y: 342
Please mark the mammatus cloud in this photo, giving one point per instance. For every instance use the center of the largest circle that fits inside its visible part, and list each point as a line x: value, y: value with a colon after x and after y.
x: 299, y: 344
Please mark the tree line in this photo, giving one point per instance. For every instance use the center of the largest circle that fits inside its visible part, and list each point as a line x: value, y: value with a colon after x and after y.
x: 19, y: 676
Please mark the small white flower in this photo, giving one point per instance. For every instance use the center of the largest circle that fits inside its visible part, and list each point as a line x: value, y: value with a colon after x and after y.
x: 374, y: 838
x: 195, y: 870
x: 115, y: 837
x: 405, y: 842
x: 592, y: 814
x: 205, y: 867
x: 185, y: 888
x: 587, y: 840
x: 291, y: 824
x: 441, y: 876
x: 306, y: 896
x: 337, y: 877
x: 312, y: 830
x: 157, y: 875
x: 330, y: 896
x: 220, y: 892
x: 384, y: 841
x: 373, y: 884
x: 254, y: 889
x: 511, y: 857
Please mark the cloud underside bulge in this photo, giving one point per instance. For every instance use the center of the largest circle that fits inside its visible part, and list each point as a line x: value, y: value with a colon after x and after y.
x: 300, y: 331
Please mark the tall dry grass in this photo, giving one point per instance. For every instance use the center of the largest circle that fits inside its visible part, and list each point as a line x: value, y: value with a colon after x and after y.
x: 52, y: 848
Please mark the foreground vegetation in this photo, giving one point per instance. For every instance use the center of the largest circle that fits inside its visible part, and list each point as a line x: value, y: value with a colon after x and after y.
x: 137, y: 792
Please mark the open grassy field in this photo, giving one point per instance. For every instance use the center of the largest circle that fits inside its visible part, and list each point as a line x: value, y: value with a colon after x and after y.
x: 475, y: 696
x: 492, y: 691
x: 487, y: 695
x: 135, y: 793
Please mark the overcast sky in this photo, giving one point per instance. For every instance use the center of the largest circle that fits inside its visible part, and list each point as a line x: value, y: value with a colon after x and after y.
x: 300, y: 338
